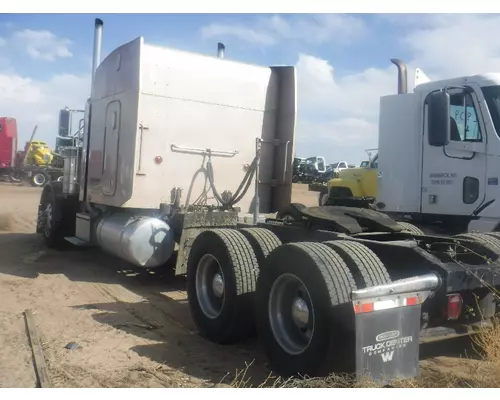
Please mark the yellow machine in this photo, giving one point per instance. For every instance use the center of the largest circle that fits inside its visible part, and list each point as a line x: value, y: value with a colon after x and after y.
x: 38, y: 153
x: 359, y: 183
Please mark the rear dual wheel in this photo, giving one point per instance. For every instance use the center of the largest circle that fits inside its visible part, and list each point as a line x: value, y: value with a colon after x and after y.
x: 222, y: 272
x: 303, y: 318
x: 297, y: 295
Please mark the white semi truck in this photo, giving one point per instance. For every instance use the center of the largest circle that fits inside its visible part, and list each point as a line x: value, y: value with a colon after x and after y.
x: 438, y: 154
x: 178, y: 148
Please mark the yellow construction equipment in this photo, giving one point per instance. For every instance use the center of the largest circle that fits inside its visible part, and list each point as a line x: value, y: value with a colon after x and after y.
x: 37, y: 152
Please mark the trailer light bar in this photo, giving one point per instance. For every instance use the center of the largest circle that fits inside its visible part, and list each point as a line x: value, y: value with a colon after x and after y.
x: 371, y: 305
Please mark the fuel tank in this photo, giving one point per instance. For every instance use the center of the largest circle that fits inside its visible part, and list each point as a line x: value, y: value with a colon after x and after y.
x: 143, y: 241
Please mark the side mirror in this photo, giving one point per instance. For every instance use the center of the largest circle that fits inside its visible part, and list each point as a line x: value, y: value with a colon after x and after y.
x: 64, y: 122
x: 438, y: 118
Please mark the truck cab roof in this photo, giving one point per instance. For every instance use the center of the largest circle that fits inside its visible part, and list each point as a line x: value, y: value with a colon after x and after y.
x: 485, y: 79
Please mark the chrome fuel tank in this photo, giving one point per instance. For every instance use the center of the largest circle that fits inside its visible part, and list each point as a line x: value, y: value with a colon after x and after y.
x: 143, y: 241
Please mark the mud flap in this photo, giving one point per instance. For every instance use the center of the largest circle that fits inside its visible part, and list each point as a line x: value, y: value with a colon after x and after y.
x: 387, y: 343
x: 387, y: 320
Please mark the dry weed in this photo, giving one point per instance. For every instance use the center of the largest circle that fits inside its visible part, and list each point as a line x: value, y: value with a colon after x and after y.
x: 480, y: 374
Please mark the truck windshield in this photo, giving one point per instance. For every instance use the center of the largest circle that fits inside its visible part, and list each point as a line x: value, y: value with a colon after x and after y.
x: 492, y: 96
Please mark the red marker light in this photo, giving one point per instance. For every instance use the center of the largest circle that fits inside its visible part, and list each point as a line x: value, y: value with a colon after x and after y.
x: 455, y: 303
x: 158, y: 160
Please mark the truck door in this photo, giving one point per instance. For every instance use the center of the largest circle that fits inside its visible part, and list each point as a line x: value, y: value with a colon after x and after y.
x: 111, y: 143
x: 454, y: 175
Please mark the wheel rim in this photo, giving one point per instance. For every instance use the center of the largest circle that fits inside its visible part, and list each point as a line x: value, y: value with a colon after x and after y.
x: 288, y: 218
x: 291, y: 314
x: 48, y: 220
x: 210, y: 286
x: 39, y: 179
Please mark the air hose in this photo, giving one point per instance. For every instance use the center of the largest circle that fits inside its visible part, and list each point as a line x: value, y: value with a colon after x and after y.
x: 240, y: 191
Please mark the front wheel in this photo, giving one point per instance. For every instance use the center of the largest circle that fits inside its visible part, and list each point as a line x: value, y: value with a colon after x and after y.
x: 56, y: 216
x: 50, y: 224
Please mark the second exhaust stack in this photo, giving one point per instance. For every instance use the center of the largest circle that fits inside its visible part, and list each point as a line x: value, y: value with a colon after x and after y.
x: 221, y: 50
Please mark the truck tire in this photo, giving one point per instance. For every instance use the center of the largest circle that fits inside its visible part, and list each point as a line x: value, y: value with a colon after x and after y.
x: 303, y: 295
x: 263, y: 241
x: 56, y: 216
x: 365, y: 266
x: 496, y: 235
x: 222, y: 273
x: 487, y: 241
x: 407, y: 227
x: 39, y: 179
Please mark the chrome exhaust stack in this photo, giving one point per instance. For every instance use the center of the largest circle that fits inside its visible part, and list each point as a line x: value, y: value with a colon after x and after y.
x: 402, y: 75
x: 96, y: 59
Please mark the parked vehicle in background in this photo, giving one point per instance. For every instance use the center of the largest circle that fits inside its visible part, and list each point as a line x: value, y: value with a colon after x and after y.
x: 339, y: 166
x: 297, y: 162
x: 8, y: 145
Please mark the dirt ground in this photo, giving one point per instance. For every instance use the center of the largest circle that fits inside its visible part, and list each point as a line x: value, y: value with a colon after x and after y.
x: 133, y: 328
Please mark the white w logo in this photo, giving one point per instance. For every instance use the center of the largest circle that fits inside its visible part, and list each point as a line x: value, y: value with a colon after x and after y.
x: 387, y: 356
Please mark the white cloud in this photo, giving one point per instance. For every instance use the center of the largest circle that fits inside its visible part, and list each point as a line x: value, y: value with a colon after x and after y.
x: 2, y: 42
x: 315, y: 29
x: 34, y: 102
x: 37, y: 102
x: 240, y: 32
x: 457, y: 44
x: 338, y: 115
x: 42, y: 45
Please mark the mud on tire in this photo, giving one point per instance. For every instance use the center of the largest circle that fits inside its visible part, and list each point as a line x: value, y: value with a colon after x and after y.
x: 365, y: 266
x: 313, y: 274
x: 222, y: 318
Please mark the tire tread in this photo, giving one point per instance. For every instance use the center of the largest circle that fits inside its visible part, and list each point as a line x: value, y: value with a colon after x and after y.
x: 367, y: 269
x: 263, y: 241
x: 411, y: 228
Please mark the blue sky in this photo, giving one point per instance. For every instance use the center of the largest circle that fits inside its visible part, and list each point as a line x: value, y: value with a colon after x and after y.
x: 183, y: 31
x: 342, y: 61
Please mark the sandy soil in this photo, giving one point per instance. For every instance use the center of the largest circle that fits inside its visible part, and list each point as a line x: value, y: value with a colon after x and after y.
x: 133, y: 328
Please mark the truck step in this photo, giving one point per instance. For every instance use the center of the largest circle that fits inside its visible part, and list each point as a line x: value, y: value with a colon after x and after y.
x: 77, y: 241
